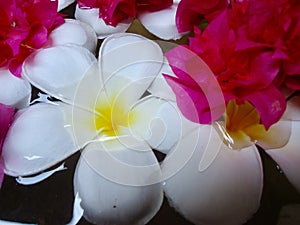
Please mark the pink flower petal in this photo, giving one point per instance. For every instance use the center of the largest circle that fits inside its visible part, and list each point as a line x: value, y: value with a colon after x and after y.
x: 198, y: 93
x: 270, y: 103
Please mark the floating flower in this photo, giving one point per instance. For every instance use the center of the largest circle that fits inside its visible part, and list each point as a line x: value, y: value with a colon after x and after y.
x: 6, y: 113
x: 113, y: 16
x: 228, y: 189
x: 190, y: 13
x: 101, y: 111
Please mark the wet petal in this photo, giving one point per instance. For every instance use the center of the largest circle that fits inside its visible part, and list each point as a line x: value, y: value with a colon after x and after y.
x: 288, y: 157
x: 91, y: 17
x: 160, y: 87
x: 74, y: 32
x: 158, y: 122
x: 129, y: 75
x: 162, y: 23
x: 58, y: 70
x: 37, y: 139
x: 15, y: 92
x: 64, y: 3
x: 112, y: 181
x: 219, y: 194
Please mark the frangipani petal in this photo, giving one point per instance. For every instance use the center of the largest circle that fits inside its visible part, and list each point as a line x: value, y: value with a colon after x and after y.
x: 288, y: 157
x: 58, y: 70
x: 162, y: 23
x: 292, y: 111
x: 91, y: 17
x: 271, y: 139
x: 203, y: 196
x: 158, y: 122
x: 74, y: 32
x: 80, y: 123
x: 99, y: 179
x: 63, y: 4
x: 160, y: 87
x: 15, y: 91
x: 37, y: 139
x: 129, y: 63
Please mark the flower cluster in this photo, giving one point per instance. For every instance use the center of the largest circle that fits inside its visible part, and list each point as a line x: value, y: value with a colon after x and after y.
x: 206, y: 105
x: 251, y: 48
x: 24, y: 29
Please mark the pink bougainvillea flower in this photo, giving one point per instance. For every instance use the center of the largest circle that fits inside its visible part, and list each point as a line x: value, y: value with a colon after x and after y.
x: 190, y: 13
x: 6, y: 115
x: 274, y: 26
x: 197, y: 91
x: 113, y: 16
x: 243, y: 74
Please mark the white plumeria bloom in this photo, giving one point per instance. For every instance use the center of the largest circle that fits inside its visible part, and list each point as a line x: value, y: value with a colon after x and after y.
x: 161, y: 23
x: 16, y: 92
x: 221, y: 185
x: 101, y: 111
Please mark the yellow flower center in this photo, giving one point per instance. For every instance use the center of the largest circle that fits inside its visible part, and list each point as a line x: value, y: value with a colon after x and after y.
x: 242, y: 125
x: 110, y: 118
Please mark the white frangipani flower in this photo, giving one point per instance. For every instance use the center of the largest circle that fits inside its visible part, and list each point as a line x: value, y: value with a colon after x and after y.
x: 101, y: 112
x: 223, y: 180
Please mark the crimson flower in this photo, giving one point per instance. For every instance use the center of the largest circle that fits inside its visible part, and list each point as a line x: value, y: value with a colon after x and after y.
x: 25, y: 26
x: 190, y: 12
x: 245, y: 68
x: 115, y: 11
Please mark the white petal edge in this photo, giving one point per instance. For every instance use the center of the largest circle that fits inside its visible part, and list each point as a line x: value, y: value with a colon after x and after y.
x: 91, y: 17
x: 220, y: 194
x: 63, y: 4
x: 129, y: 63
x: 37, y: 139
x: 160, y: 87
x: 158, y: 122
x: 15, y: 92
x: 58, y: 70
x: 293, y: 109
x: 74, y: 32
x: 109, y: 202
x: 162, y: 23
x: 288, y: 157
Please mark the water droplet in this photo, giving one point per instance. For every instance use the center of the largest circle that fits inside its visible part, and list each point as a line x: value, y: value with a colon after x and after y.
x: 279, y: 169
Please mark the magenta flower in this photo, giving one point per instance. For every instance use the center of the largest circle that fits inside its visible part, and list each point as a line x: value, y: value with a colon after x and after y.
x: 6, y: 115
x: 190, y: 13
x: 246, y: 69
